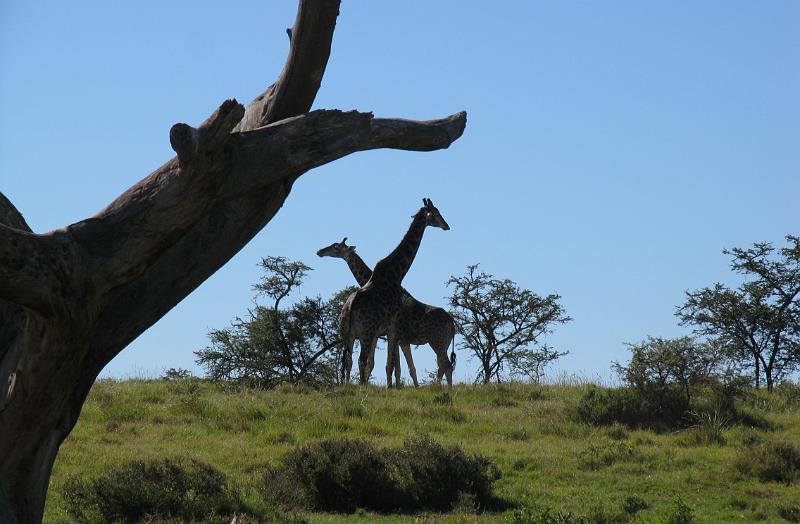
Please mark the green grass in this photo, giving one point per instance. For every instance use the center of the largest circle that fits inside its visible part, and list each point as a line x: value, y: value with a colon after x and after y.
x: 548, y: 459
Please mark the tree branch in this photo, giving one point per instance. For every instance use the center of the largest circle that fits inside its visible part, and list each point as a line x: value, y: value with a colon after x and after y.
x: 23, y: 274
x: 10, y: 216
x: 110, y: 277
x: 267, y: 161
x: 212, y: 134
x: 310, y: 46
x: 24, y: 270
x: 311, y: 140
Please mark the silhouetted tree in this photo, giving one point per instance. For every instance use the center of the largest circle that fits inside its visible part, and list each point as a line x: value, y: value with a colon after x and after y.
x: 73, y: 298
x: 502, y: 325
x: 299, y: 344
x: 760, y: 321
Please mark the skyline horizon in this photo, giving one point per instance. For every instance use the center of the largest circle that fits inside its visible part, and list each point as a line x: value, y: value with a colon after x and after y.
x: 611, y: 151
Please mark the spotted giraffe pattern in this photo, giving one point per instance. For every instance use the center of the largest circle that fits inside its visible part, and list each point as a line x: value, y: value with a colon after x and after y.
x: 374, y: 309
x: 417, y: 323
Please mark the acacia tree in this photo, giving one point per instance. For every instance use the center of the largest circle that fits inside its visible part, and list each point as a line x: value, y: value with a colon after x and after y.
x: 73, y: 298
x: 760, y: 321
x: 502, y: 325
x: 275, y: 345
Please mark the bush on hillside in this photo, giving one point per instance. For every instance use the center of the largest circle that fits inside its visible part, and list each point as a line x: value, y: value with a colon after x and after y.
x: 181, y: 489
x: 669, y: 383
x: 436, y: 476
x: 771, y: 462
x: 675, y: 366
x: 680, y: 513
x: 628, y: 406
x: 333, y: 475
x: 342, y: 475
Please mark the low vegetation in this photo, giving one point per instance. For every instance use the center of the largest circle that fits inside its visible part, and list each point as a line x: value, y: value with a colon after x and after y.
x: 343, y: 475
x: 490, y: 453
x: 181, y: 489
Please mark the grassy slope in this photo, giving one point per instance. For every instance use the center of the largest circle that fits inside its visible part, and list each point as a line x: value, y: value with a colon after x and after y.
x: 528, y: 431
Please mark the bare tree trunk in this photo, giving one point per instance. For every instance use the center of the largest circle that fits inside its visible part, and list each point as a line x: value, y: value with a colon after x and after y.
x: 73, y: 298
x: 487, y: 368
x: 757, y: 371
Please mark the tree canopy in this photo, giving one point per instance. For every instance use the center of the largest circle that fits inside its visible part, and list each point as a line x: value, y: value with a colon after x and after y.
x: 759, y: 322
x: 273, y: 345
x: 503, y: 325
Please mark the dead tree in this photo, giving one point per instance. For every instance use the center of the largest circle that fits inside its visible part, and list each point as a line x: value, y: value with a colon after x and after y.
x: 73, y: 298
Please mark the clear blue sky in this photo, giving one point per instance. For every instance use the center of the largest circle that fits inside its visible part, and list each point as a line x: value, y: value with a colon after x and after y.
x: 613, y: 149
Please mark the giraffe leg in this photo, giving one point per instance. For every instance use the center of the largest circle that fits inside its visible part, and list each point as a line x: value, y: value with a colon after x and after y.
x: 444, y: 367
x: 389, y: 365
x: 410, y: 362
x: 397, y: 367
x: 347, y: 360
x: 392, y: 366
x: 371, y: 358
x: 449, y: 372
x: 366, y: 358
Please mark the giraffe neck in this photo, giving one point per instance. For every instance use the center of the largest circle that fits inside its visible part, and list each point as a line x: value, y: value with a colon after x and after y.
x: 397, y: 263
x: 358, y: 267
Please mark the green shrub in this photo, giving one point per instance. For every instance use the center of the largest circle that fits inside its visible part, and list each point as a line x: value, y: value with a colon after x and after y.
x: 790, y: 392
x: 680, y: 513
x: 771, y: 462
x: 709, y: 429
x: 436, y: 476
x: 712, y: 409
x: 785, y: 397
x: 602, y: 407
x: 631, y: 407
x: 183, y: 489
x: 333, y: 475
x: 342, y: 475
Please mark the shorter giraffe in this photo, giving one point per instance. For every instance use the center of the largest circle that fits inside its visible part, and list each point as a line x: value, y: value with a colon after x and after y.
x: 418, y: 323
x: 374, y: 308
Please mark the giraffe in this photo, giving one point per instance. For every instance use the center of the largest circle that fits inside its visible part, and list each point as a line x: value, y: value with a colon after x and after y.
x: 374, y: 308
x: 418, y: 323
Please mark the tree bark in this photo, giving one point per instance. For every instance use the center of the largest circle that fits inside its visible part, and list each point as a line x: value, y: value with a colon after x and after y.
x: 73, y: 298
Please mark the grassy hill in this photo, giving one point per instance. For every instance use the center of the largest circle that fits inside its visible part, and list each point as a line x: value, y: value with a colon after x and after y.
x: 548, y: 458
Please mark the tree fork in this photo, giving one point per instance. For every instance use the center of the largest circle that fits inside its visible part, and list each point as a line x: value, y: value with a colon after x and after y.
x: 73, y: 298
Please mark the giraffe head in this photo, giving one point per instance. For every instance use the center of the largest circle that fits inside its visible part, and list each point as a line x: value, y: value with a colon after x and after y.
x: 432, y: 215
x: 336, y: 250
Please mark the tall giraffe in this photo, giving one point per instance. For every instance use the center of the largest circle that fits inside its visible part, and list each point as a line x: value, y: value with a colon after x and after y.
x: 373, y: 309
x: 418, y: 323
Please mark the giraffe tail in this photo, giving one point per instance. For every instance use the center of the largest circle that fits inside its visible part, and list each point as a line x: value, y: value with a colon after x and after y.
x: 453, y: 351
